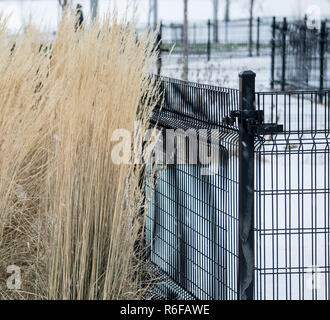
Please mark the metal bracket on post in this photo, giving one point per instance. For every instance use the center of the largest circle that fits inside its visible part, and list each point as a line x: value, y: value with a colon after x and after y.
x: 253, y: 121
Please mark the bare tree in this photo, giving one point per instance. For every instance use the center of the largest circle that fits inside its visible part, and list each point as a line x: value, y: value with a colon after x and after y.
x: 153, y: 13
x: 23, y: 12
x: 215, y: 20
x: 149, y: 12
x: 93, y: 7
x: 227, y: 11
x: 185, y: 40
x: 63, y: 3
x: 227, y: 18
x: 251, y: 8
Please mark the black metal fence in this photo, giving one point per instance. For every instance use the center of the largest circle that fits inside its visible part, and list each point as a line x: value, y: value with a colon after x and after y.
x: 251, y: 222
x: 300, y: 55
x: 216, y: 39
x: 191, y: 229
x: 219, y: 39
x: 292, y: 198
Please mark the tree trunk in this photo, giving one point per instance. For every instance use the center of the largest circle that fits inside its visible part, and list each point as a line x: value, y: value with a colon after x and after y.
x: 251, y: 28
x: 155, y: 14
x: 227, y: 11
x: 94, y: 6
x: 149, y: 13
x: 227, y: 19
x: 63, y: 3
x: 185, y: 41
x: 215, y: 22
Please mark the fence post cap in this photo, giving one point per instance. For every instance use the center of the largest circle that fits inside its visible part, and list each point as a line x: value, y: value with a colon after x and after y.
x: 247, y: 73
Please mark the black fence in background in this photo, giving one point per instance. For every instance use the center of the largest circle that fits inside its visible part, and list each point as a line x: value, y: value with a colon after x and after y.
x: 255, y: 224
x: 220, y: 39
x: 300, y: 55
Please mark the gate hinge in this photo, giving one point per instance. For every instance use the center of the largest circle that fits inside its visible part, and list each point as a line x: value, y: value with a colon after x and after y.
x: 254, y: 121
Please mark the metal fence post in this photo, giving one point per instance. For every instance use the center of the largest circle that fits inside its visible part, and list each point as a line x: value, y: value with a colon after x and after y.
x: 303, y: 60
x: 258, y: 36
x: 195, y: 32
x: 284, y: 32
x: 216, y: 31
x: 304, y: 34
x: 246, y: 188
x: 272, y: 83
x: 208, y: 40
x: 323, y: 38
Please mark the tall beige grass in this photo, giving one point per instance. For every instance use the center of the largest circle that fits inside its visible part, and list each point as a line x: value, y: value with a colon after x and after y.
x: 69, y: 217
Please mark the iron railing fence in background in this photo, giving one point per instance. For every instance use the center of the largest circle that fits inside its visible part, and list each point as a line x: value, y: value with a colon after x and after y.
x: 254, y: 224
x: 230, y: 40
x: 300, y: 55
x: 232, y: 37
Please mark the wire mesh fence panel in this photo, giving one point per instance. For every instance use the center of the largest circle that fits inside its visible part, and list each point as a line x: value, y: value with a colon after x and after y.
x: 234, y: 36
x: 292, y: 199
x: 302, y: 56
x: 205, y: 194
x: 192, y: 219
x: 230, y: 38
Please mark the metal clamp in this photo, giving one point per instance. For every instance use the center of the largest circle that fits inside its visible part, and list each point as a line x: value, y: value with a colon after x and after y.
x: 254, y: 122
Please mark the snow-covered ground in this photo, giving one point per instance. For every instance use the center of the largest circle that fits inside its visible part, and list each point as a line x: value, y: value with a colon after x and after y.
x: 220, y: 72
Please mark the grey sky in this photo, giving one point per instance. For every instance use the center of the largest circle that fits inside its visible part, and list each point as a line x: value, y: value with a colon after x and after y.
x: 47, y: 13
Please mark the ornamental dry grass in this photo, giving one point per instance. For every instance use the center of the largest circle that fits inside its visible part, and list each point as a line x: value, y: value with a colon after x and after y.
x: 69, y: 217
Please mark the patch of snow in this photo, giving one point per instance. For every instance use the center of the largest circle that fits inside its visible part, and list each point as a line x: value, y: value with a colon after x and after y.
x: 220, y: 72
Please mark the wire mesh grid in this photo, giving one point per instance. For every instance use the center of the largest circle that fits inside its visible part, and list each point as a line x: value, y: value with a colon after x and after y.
x: 302, y: 53
x: 192, y: 222
x: 192, y: 219
x: 292, y: 249
x: 225, y: 38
